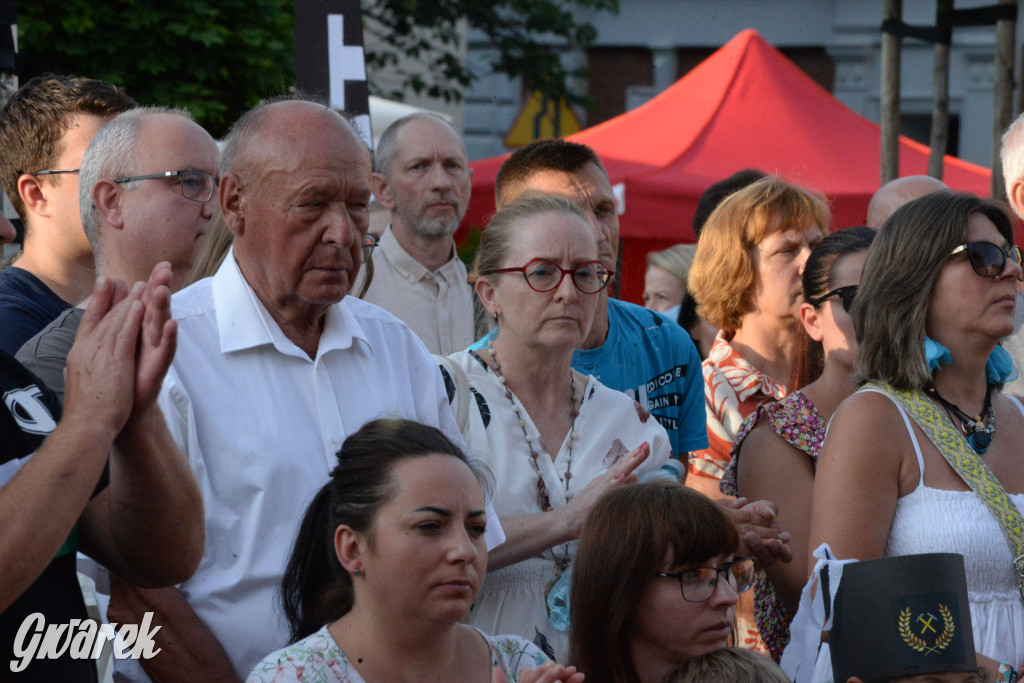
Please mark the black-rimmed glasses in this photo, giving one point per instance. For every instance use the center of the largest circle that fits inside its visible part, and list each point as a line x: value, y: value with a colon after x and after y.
x: 845, y: 295
x: 698, y: 584
x: 542, y: 275
x: 195, y: 185
x: 988, y: 259
x: 370, y: 242
x: 56, y: 171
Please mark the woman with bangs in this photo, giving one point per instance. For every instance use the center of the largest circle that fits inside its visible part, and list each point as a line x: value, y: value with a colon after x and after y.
x: 746, y: 280
x: 926, y: 457
x: 781, y: 440
x: 654, y: 583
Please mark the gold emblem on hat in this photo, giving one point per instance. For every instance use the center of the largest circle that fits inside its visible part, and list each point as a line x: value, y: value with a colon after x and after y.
x: 926, y: 625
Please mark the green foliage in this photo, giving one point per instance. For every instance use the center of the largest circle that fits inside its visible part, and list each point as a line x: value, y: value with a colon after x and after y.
x: 526, y: 34
x: 216, y: 59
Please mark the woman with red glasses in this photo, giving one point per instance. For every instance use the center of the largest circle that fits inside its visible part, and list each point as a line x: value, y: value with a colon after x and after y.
x: 555, y: 440
x: 927, y: 456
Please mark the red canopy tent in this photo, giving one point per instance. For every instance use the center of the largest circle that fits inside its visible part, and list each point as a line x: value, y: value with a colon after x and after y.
x: 746, y: 106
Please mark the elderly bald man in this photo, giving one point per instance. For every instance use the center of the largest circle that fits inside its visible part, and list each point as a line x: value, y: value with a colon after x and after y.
x: 896, y: 193
x: 276, y: 366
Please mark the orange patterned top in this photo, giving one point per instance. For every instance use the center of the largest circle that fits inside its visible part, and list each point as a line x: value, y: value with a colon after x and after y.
x: 733, y: 388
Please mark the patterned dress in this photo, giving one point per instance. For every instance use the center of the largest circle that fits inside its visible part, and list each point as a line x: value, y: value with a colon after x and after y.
x: 798, y: 423
x: 318, y: 659
x: 733, y: 389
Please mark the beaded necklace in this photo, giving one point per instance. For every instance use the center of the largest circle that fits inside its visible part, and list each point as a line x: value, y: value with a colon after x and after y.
x: 542, y: 490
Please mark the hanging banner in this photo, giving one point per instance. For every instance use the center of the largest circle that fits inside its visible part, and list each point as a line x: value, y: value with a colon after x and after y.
x: 329, y: 59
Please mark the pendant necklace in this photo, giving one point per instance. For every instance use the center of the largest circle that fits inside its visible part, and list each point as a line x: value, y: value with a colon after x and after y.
x: 979, y: 429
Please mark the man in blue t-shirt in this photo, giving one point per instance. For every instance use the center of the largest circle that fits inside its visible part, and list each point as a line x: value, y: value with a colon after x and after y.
x: 629, y: 348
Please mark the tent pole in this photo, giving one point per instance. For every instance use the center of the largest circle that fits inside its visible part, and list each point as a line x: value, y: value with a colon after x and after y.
x: 1002, y: 109
x: 940, y: 95
x: 890, y: 95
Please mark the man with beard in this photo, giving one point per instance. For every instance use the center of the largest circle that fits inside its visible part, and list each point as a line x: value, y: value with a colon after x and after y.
x: 423, y: 179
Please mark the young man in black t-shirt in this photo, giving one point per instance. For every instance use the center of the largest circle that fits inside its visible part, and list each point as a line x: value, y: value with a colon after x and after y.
x: 145, y: 524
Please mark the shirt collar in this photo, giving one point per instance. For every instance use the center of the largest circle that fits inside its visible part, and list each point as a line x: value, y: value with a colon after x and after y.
x: 406, y: 266
x: 742, y: 376
x: 243, y: 322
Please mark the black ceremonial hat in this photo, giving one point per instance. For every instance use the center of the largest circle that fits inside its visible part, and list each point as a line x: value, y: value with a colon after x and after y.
x: 902, y: 616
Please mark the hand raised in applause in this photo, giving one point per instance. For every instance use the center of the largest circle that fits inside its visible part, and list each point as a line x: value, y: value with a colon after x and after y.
x: 157, y: 341
x: 100, y: 374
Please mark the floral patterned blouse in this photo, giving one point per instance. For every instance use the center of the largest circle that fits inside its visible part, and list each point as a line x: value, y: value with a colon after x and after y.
x: 799, y: 423
x: 318, y: 659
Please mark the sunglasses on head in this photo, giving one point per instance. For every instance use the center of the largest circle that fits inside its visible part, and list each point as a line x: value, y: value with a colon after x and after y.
x: 988, y: 259
x: 845, y: 295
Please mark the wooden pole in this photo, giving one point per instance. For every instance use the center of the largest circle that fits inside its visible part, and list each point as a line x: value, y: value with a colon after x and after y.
x: 1002, y: 109
x: 890, y: 95
x: 940, y: 98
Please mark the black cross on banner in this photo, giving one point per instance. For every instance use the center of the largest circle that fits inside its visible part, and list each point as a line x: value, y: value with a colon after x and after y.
x: 329, y: 58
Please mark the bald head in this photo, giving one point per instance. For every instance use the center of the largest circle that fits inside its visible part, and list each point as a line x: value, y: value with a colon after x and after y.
x: 274, y: 126
x: 896, y: 193
x: 295, y: 191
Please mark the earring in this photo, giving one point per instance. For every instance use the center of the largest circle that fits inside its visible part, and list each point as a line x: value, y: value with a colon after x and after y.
x: 495, y: 317
x: 357, y: 572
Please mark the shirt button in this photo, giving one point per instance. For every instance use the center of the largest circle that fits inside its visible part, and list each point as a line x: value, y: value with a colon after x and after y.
x: 336, y: 439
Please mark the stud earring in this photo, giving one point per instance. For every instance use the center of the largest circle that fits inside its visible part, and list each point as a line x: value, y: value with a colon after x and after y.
x: 357, y: 572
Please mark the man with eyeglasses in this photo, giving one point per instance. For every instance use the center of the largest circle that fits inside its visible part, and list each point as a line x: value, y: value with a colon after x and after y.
x: 1012, y: 155
x: 277, y: 364
x: 44, y: 129
x: 423, y: 178
x: 135, y: 218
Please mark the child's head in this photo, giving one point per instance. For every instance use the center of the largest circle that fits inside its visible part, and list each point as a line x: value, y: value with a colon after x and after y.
x: 728, y: 665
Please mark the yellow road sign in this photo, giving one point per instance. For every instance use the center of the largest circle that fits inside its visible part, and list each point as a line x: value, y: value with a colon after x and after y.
x: 541, y: 118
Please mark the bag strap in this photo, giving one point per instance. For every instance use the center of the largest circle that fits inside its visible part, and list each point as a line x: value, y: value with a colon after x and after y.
x: 965, y: 461
x: 459, y: 403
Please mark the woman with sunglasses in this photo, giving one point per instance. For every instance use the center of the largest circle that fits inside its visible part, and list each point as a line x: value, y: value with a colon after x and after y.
x: 780, y: 441
x: 654, y: 584
x: 905, y: 454
x: 554, y: 439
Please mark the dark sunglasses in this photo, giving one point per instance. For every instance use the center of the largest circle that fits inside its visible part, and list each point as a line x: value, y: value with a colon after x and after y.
x: 988, y: 259
x: 845, y: 294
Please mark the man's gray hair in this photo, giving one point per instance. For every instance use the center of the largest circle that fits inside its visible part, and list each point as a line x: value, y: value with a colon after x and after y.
x: 387, y: 147
x: 1012, y: 155
x: 112, y: 154
x: 245, y: 130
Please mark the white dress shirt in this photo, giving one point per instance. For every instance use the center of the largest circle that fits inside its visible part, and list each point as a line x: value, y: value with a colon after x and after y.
x: 260, y: 423
x: 437, y: 305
